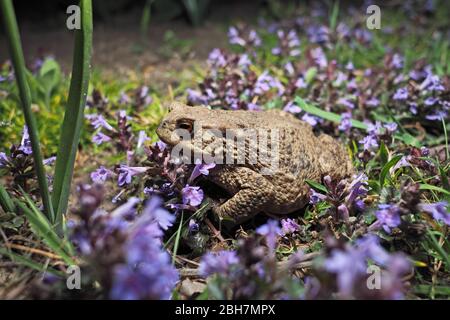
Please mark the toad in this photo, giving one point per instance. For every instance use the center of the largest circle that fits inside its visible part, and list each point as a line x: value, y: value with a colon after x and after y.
x: 263, y: 158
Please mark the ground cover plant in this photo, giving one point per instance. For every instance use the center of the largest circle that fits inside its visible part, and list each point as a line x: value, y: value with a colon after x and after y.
x: 139, y: 226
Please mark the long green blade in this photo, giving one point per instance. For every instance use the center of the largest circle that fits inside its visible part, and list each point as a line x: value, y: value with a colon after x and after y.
x: 30, y: 263
x: 5, y: 201
x: 334, y: 117
x: 73, y: 117
x: 18, y: 61
x: 44, y: 231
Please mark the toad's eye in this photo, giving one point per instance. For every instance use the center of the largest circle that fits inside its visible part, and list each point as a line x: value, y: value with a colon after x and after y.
x: 186, y: 125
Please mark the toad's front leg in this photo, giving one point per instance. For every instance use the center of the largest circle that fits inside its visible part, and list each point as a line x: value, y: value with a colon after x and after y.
x: 251, y: 193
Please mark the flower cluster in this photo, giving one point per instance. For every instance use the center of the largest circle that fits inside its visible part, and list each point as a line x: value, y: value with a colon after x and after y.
x: 346, y: 198
x: 250, y: 272
x: 364, y: 270
x: 125, y: 247
x: 19, y: 163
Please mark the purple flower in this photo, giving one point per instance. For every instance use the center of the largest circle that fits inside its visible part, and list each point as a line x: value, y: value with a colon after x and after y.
x: 155, y: 213
x: 390, y: 127
x: 401, y: 94
x: 289, y: 68
x: 345, y: 103
x: 370, y: 142
x: 437, y: 115
x: 254, y: 38
x: 388, y: 216
x: 49, y: 161
x: 432, y: 83
x: 312, y: 120
x: 201, y: 169
x: 318, y: 34
x: 397, y: 61
x: 98, y: 121
x: 100, y: 175
x: 100, y: 138
x: 196, y: 97
x: 348, y: 266
x: 25, y: 144
x: 430, y: 101
x: 265, y: 82
x: 292, y: 108
x: 439, y: 211
x: 217, y: 59
x: 193, y: 226
x: 234, y: 37
x: 373, y: 102
x: 270, y: 231
x: 315, y: 197
x: 126, y: 173
x: 319, y: 57
x: 340, y: 78
x: 124, y: 98
x: 346, y: 121
x: 357, y: 189
x: 3, y: 159
x: 300, y: 83
x: 218, y: 262
x: 289, y: 226
x: 370, y: 245
x: 244, y: 61
x: 147, y: 273
x: 142, y: 138
x: 192, y: 195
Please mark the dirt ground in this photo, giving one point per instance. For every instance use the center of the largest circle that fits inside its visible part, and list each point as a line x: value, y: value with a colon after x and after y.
x: 118, y: 43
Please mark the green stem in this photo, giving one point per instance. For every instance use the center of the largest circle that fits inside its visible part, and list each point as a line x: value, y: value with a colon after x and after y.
x: 74, y: 115
x: 18, y: 61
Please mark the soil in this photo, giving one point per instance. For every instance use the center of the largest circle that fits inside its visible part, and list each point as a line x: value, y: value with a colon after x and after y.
x: 118, y: 48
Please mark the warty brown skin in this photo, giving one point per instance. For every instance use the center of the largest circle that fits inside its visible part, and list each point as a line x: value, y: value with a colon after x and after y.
x: 301, y: 156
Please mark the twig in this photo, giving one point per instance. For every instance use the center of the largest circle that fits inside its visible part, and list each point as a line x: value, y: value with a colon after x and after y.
x: 33, y: 250
x: 214, y: 231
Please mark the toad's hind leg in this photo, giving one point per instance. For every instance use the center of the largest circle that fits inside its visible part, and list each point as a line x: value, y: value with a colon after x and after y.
x: 252, y: 191
x: 334, y: 159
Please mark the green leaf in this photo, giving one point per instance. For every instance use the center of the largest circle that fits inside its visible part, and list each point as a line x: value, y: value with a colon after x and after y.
x: 435, y: 244
x: 29, y: 262
x: 74, y: 115
x: 427, y: 289
x: 49, y: 78
x: 310, y: 74
x: 177, y: 239
x: 334, y: 117
x: 18, y: 61
x: 384, y: 154
x: 425, y: 186
x: 317, y: 186
x: 385, y: 171
x: 334, y: 15
x: 5, y: 201
x: 42, y: 228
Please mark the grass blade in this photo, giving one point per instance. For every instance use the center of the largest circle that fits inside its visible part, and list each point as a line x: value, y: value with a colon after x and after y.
x: 74, y: 115
x: 425, y: 186
x: 385, y: 170
x: 42, y: 228
x: 5, y: 201
x: 18, y: 61
x: 177, y: 239
x: 29, y: 262
x: 334, y: 117
x: 317, y: 186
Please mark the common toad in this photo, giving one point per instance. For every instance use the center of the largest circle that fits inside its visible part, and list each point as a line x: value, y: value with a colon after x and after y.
x: 273, y: 184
